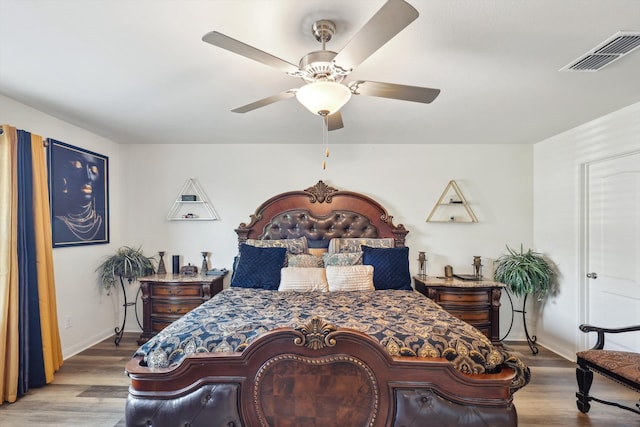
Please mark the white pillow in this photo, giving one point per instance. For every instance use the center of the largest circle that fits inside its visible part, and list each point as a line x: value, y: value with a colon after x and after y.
x: 350, y: 278
x: 303, y: 279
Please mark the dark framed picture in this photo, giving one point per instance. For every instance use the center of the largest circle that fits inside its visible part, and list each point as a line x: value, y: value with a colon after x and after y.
x: 79, y: 193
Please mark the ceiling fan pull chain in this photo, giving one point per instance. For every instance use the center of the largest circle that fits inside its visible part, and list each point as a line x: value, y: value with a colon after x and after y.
x: 325, y: 140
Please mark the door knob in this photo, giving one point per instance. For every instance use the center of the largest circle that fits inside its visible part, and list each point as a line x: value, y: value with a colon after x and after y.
x: 592, y: 275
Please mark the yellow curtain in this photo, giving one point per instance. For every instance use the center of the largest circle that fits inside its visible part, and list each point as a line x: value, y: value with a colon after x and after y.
x: 51, y: 346
x: 8, y: 266
x: 50, y: 335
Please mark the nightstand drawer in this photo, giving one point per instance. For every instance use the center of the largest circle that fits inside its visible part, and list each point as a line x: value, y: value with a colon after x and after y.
x: 182, y: 291
x: 486, y: 330
x: 470, y: 316
x: 167, y: 298
x: 175, y: 309
x: 159, y: 324
x: 457, y: 296
x: 474, y: 302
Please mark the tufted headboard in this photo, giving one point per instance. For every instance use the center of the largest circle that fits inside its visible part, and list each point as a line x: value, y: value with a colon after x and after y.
x: 321, y: 213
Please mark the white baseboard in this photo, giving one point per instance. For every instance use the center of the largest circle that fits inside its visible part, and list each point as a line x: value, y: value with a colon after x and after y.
x: 86, y: 343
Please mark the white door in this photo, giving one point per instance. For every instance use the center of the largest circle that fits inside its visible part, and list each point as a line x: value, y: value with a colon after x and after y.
x: 613, y: 262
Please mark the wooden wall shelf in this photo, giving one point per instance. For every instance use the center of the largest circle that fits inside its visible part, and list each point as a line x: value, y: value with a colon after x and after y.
x: 196, y: 209
x: 452, y: 206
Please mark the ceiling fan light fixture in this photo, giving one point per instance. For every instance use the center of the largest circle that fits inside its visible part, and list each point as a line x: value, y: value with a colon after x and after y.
x: 323, y: 97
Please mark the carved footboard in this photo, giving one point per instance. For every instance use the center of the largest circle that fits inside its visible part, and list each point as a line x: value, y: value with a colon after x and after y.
x: 316, y: 375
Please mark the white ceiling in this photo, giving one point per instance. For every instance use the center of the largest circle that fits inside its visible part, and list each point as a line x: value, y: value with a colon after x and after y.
x: 137, y: 71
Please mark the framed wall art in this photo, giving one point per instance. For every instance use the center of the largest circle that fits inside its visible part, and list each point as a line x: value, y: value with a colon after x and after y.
x: 79, y: 193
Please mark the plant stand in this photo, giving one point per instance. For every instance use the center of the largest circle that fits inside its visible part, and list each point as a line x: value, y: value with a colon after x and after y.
x: 120, y: 330
x: 531, y: 340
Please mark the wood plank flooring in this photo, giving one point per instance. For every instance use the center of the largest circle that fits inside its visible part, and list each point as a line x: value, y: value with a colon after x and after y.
x: 90, y: 390
x: 549, y: 399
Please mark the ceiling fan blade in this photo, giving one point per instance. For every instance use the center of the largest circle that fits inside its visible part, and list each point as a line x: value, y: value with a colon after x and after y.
x: 266, y: 101
x: 235, y: 46
x: 392, y: 18
x: 394, y: 91
x: 334, y: 121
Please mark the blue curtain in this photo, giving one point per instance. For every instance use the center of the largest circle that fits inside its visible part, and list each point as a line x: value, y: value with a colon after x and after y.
x: 31, y: 371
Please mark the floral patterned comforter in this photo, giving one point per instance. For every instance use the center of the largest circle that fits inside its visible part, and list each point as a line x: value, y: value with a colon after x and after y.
x: 405, y: 322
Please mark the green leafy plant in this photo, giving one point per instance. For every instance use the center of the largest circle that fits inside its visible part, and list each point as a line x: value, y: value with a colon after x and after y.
x: 127, y: 263
x: 524, y: 273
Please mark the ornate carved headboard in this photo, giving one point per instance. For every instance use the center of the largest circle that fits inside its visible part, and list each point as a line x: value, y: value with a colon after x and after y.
x: 321, y: 213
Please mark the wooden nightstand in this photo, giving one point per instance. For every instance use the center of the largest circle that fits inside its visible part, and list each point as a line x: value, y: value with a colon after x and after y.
x: 475, y: 302
x: 168, y: 297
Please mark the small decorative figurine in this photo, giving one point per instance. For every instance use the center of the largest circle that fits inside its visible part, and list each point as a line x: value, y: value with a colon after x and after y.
x: 448, y: 272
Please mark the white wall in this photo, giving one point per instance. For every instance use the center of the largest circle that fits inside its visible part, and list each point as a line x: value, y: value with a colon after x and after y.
x: 520, y: 194
x: 407, y: 179
x: 93, y: 314
x: 558, y: 201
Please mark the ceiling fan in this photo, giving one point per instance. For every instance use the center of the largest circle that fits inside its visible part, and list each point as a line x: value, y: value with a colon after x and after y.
x: 324, y: 70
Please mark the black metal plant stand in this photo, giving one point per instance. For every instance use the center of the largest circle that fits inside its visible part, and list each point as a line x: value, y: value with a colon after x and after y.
x: 531, y: 340
x: 120, y: 330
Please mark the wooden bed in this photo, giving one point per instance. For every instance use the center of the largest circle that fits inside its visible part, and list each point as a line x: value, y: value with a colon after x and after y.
x: 317, y: 373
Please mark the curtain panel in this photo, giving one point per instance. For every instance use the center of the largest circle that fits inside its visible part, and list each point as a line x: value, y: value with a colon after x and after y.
x: 29, y: 336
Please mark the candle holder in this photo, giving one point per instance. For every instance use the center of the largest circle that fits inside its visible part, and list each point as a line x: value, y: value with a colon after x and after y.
x: 161, y: 268
x: 205, y: 266
x: 477, y: 267
x: 422, y: 263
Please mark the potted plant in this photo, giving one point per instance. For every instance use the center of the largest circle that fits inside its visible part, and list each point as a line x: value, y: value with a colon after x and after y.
x: 525, y: 273
x: 127, y: 263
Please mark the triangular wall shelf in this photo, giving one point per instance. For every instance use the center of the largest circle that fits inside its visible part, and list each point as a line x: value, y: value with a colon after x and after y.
x: 452, y: 206
x: 192, y: 204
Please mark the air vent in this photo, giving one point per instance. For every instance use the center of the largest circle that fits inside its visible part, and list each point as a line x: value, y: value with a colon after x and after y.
x: 612, y: 49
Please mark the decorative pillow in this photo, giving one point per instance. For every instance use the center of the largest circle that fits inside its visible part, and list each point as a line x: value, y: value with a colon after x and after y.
x: 351, y: 258
x: 355, y: 245
x: 303, y: 279
x: 293, y: 246
x: 350, y: 278
x: 390, y: 267
x: 259, y: 267
x: 236, y: 260
x: 304, y: 260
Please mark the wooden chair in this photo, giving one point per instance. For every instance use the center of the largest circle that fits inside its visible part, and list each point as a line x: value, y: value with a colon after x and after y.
x: 620, y: 366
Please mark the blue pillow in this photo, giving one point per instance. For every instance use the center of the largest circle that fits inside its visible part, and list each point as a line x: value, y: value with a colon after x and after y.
x: 258, y: 267
x: 390, y: 267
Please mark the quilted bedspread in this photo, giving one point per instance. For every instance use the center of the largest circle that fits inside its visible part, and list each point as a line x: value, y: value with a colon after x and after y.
x: 404, y: 322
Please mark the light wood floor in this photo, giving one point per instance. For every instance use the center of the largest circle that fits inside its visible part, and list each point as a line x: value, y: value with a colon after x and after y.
x: 549, y: 399
x: 91, y: 387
